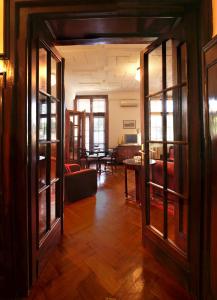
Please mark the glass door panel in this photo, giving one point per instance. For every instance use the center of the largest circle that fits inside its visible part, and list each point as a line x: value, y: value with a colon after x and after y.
x: 155, y: 67
x: 42, y: 209
x: 43, y: 108
x: 42, y: 166
x: 43, y: 69
x: 177, y: 221
x: 156, y: 208
x: 53, y: 162
x: 53, y: 128
x: 53, y: 203
x: 156, y: 120
x: 48, y: 143
x: 53, y: 77
x: 166, y: 143
x: 99, y: 132
x: 170, y: 119
x: 87, y: 133
x: 171, y: 64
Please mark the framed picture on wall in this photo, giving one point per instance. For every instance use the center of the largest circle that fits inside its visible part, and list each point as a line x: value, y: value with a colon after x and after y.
x: 129, y: 124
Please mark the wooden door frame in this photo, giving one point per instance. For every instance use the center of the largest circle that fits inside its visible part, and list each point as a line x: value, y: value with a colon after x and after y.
x: 209, y: 60
x: 20, y: 16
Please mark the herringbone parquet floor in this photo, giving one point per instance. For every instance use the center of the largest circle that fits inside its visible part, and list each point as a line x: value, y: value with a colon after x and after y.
x: 101, y: 256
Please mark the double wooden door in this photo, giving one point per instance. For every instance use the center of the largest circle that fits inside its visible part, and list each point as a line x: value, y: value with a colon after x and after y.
x: 46, y: 126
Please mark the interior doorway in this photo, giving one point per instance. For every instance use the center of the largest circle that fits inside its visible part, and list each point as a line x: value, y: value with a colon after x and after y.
x: 128, y: 34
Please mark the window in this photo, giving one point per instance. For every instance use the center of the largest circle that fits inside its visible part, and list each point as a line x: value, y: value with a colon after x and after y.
x: 96, y: 126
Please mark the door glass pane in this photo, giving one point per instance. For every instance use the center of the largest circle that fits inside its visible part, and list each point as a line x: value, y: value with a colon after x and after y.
x: 156, y: 208
x: 183, y: 62
x: 53, y: 107
x: 83, y: 105
x: 156, y: 120
x: 42, y: 110
x: 99, y: 132
x: 179, y: 115
x: 42, y: 211
x: 53, y: 163
x: 99, y: 105
x: 177, y: 168
x: 87, y: 133
x: 53, y: 77
x: 75, y: 119
x: 177, y: 221
x: 42, y: 69
x: 155, y: 70
x: 171, y: 64
x: 42, y: 165
x: 53, y: 128
x: 53, y: 202
x: 42, y: 104
x: 156, y: 168
x: 170, y: 120
x: 43, y: 128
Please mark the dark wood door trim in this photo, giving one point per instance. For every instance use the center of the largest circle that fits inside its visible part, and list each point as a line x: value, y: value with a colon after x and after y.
x: 209, y: 62
x: 18, y: 109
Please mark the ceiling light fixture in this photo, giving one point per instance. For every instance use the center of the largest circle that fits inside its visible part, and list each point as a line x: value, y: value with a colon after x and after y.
x: 138, y: 74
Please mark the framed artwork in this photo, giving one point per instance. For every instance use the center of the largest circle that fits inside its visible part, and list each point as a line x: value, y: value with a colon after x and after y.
x: 129, y: 124
x: 4, y: 29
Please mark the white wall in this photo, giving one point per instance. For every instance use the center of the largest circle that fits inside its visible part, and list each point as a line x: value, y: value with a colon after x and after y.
x: 117, y: 114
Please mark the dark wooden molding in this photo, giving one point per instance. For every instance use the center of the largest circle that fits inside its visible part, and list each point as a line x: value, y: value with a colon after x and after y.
x: 209, y: 255
x: 17, y: 144
x: 106, y: 40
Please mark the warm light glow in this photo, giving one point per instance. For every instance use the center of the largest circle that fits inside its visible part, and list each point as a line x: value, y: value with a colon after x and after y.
x: 1, y: 26
x: 2, y: 66
x: 213, y: 105
x: 214, y: 16
x: 138, y: 74
x: 53, y: 79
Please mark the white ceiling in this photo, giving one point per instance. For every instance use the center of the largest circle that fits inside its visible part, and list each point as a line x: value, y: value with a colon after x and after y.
x: 101, y: 68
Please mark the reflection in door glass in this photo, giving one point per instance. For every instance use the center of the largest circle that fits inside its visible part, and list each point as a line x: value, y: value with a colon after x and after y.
x: 155, y: 70
x: 156, y: 120
x: 42, y: 69
x: 177, y: 221
x: 53, y: 77
x: 53, y: 202
x: 171, y: 64
x: 42, y: 211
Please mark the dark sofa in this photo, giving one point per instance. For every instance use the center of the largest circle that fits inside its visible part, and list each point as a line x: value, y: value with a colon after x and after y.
x: 79, y: 183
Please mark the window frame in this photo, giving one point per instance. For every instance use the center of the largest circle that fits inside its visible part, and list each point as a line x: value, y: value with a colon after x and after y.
x: 91, y: 116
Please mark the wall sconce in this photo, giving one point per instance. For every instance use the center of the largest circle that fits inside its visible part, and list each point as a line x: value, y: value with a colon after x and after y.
x: 53, y: 79
x: 138, y: 74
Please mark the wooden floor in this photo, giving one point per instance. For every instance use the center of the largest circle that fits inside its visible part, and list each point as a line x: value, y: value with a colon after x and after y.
x: 101, y: 256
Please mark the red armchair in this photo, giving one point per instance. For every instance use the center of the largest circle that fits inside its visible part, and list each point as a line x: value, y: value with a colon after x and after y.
x: 79, y: 183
